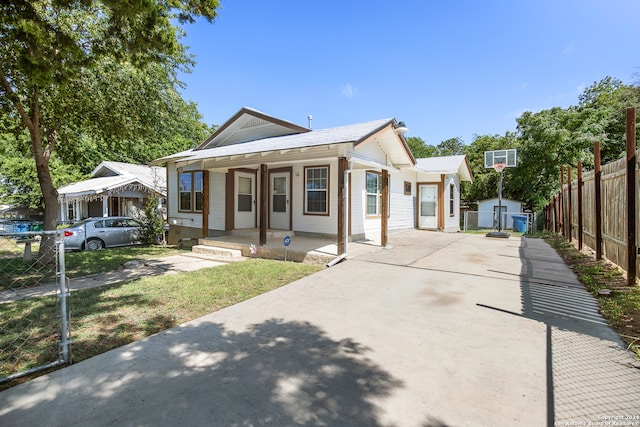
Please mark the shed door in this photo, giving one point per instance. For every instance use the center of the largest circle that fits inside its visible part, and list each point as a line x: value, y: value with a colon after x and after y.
x: 245, y: 200
x: 428, y: 206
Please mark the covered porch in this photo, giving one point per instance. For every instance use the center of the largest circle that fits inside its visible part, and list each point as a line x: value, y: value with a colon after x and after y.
x: 301, y: 248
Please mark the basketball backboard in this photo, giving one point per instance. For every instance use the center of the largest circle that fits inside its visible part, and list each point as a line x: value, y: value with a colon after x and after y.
x: 507, y: 157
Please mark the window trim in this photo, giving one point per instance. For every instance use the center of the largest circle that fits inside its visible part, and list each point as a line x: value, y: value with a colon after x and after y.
x: 407, y: 192
x: 192, y: 192
x: 452, y: 199
x: 378, y: 213
x: 327, y: 191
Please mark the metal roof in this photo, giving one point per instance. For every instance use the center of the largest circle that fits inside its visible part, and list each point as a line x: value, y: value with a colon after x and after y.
x: 343, y: 134
x: 446, y: 164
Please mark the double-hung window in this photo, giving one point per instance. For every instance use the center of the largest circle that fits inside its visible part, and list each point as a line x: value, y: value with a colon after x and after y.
x: 374, y: 194
x: 316, y: 190
x: 191, y: 191
x: 452, y: 199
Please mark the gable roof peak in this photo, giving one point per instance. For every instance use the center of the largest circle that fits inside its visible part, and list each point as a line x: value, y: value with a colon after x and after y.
x: 249, y: 124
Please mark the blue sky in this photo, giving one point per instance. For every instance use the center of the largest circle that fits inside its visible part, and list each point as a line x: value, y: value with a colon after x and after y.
x: 447, y: 68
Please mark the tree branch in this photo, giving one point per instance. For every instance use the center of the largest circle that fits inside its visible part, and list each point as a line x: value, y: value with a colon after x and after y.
x: 16, y: 101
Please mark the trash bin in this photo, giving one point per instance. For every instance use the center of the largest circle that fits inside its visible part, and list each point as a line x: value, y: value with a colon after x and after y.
x: 19, y: 227
x: 519, y: 223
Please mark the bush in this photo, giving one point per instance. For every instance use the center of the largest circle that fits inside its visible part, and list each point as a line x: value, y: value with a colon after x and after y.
x: 152, y: 223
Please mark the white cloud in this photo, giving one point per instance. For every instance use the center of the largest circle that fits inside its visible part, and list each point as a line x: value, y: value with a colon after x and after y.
x: 348, y: 90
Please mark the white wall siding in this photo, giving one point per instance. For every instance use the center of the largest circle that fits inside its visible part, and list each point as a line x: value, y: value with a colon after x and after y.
x: 402, y: 207
x: 451, y: 219
x: 322, y: 224
x: 357, y: 202
x: 370, y: 151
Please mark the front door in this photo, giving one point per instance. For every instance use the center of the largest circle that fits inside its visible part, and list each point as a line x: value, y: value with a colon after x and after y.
x: 245, y: 200
x: 428, y: 206
x: 279, y: 202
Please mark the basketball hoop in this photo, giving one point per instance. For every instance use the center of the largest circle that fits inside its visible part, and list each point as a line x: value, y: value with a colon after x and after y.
x: 499, y: 167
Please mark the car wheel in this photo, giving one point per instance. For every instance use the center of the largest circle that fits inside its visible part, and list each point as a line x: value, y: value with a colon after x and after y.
x: 94, y: 244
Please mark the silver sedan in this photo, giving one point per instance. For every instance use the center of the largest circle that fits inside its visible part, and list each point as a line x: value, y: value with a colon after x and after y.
x: 103, y: 232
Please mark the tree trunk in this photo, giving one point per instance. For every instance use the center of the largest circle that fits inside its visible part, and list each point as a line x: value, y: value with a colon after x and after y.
x: 46, y: 255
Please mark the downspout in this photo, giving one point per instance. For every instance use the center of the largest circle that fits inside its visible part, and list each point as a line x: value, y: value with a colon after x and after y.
x: 343, y: 255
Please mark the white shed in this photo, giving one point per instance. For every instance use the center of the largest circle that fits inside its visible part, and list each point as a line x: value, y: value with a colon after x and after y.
x: 488, y: 212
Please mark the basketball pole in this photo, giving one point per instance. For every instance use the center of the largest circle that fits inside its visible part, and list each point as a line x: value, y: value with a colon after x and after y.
x: 500, y: 202
x: 499, y: 167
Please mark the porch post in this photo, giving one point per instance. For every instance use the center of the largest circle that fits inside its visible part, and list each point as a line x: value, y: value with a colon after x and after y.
x: 342, y: 162
x: 105, y: 205
x: 229, y: 202
x: 384, y: 223
x: 264, y: 201
x: 205, y: 203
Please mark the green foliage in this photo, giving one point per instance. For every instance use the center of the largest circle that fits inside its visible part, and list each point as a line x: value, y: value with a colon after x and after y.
x: 420, y: 149
x: 451, y: 147
x: 152, y: 223
x: 485, y: 181
x: 95, y: 74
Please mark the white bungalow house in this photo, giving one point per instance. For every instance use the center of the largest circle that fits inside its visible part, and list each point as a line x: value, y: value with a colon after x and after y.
x: 114, y: 188
x: 258, y: 172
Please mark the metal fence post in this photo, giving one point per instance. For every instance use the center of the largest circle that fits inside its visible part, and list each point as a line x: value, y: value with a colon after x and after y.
x: 65, y: 341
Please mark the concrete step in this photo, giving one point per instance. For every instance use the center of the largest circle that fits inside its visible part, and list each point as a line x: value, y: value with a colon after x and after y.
x: 216, y: 251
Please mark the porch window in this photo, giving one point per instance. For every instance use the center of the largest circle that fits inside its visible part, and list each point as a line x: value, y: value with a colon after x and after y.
x: 316, y: 191
x: 452, y: 199
x: 71, y: 211
x: 191, y: 194
x: 374, y: 194
x: 245, y: 194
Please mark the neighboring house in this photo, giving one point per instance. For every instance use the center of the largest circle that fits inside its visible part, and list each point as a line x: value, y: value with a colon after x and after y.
x: 349, y: 183
x: 114, y: 189
x: 20, y: 212
x: 488, y: 212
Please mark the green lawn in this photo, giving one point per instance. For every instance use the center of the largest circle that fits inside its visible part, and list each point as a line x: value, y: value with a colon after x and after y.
x: 14, y: 272
x: 111, y: 316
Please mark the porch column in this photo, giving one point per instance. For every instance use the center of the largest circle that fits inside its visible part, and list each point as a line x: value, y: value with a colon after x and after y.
x: 205, y: 203
x: 105, y: 205
x: 342, y: 166
x: 264, y: 202
x: 384, y: 223
x: 63, y: 210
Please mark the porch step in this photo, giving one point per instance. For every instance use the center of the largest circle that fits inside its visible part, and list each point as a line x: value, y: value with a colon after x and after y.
x: 217, y: 251
x: 253, y: 232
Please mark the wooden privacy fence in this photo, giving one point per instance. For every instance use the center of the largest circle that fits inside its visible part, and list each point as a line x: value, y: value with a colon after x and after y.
x: 600, y: 208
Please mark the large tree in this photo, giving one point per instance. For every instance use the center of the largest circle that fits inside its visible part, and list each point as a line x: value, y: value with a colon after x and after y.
x: 50, y: 46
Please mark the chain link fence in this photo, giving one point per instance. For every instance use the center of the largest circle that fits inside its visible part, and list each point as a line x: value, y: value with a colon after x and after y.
x: 35, y: 329
x: 523, y: 222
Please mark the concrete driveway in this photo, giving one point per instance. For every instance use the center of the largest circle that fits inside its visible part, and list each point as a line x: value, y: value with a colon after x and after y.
x: 436, y: 330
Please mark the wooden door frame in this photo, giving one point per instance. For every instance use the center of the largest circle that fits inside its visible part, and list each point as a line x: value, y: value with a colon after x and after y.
x: 288, y: 170
x: 439, y: 201
x: 230, y: 199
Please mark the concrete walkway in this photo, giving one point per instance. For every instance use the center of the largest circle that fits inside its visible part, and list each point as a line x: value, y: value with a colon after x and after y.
x: 129, y: 271
x: 436, y: 330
